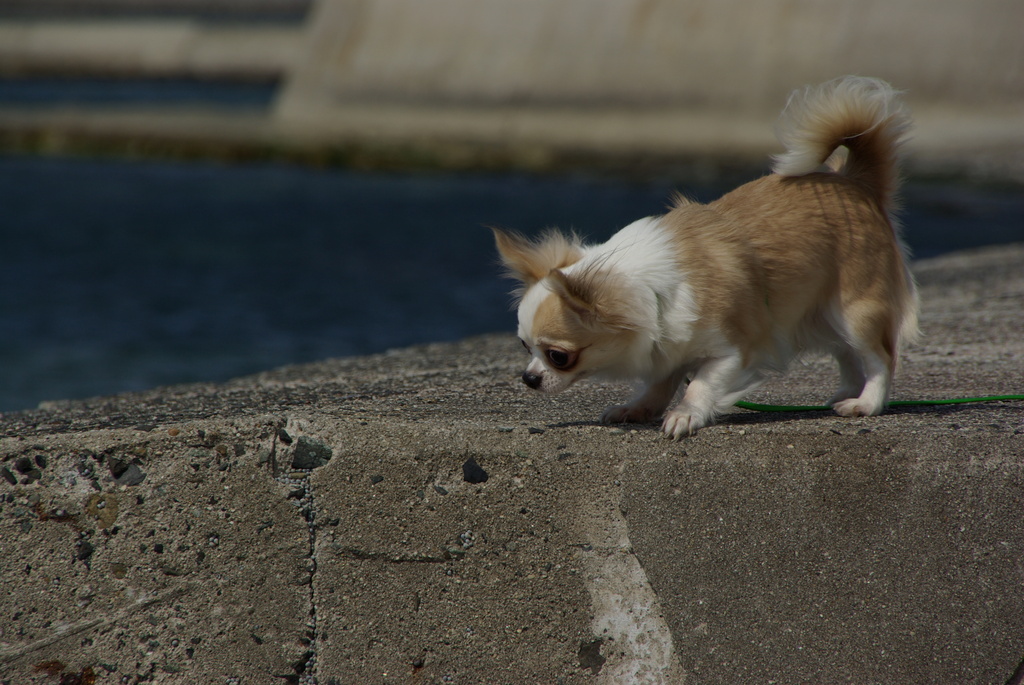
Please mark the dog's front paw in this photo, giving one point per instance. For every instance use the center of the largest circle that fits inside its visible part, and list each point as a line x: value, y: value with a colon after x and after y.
x: 627, y: 413
x: 680, y: 422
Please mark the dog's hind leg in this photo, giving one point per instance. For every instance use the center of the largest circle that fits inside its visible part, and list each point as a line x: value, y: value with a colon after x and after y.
x: 874, y: 363
x: 851, y: 375
x: 867, y: 358
x: 875, y: 395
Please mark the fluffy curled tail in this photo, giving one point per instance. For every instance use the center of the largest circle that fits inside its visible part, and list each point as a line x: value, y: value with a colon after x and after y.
x: 862, y: 114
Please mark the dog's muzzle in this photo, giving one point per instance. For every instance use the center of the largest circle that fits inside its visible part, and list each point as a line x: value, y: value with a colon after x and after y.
x: 533, y: 380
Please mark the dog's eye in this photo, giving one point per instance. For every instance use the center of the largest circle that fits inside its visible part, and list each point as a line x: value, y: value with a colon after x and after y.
x: 527, y: 347
x: 559, y: 358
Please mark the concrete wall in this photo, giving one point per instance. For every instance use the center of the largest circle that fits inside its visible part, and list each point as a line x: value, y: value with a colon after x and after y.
x: 733, y: 54
x: 545, y: 84
x: 144, y: 48
x: 222, y: 8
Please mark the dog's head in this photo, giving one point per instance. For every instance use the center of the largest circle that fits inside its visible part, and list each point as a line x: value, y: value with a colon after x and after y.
x: 573, y: 317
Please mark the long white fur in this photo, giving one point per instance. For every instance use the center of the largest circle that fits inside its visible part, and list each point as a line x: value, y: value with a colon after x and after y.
x: 642, y: 253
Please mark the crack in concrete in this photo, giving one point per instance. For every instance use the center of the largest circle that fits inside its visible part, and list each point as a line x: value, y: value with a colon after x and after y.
x: 309, y: 513
x: 299, y: 480
x: 307, y: 509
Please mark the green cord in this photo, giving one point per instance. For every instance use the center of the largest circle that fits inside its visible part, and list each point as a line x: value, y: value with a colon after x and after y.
x: 753, y: 406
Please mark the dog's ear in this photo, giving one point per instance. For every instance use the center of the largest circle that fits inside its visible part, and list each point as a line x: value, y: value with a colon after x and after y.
x: 528, y: 261
x: 596, y: 296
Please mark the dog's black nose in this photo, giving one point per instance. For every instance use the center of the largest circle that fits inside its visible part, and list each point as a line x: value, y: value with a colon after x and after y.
x: 532, y: 379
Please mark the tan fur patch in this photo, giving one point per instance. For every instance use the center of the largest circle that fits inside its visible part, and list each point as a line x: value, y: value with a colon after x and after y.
x: 598, y: 296
x: 555, y: 324
x: 529, y: 261
x: 777, y: 252
x: 594, y: 344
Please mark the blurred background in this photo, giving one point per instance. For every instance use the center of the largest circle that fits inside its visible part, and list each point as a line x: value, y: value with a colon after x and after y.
x: 192, y: 190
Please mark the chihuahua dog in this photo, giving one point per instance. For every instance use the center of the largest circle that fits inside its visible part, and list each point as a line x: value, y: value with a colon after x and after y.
x: 807, y: 258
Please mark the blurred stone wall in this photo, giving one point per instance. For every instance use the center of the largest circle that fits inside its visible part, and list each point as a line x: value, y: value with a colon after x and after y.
x: 734, y: 54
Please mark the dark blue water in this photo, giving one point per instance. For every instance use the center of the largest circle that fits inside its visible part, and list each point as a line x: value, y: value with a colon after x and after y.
x: 116, y: 92
x: 119, y: 276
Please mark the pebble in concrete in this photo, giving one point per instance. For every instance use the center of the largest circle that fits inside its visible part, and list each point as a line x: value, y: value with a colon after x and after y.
x: 472, y: 472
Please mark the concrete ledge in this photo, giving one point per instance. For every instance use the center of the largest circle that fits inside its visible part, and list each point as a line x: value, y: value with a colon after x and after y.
x: 333, y: 521
x: 986, y: 144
